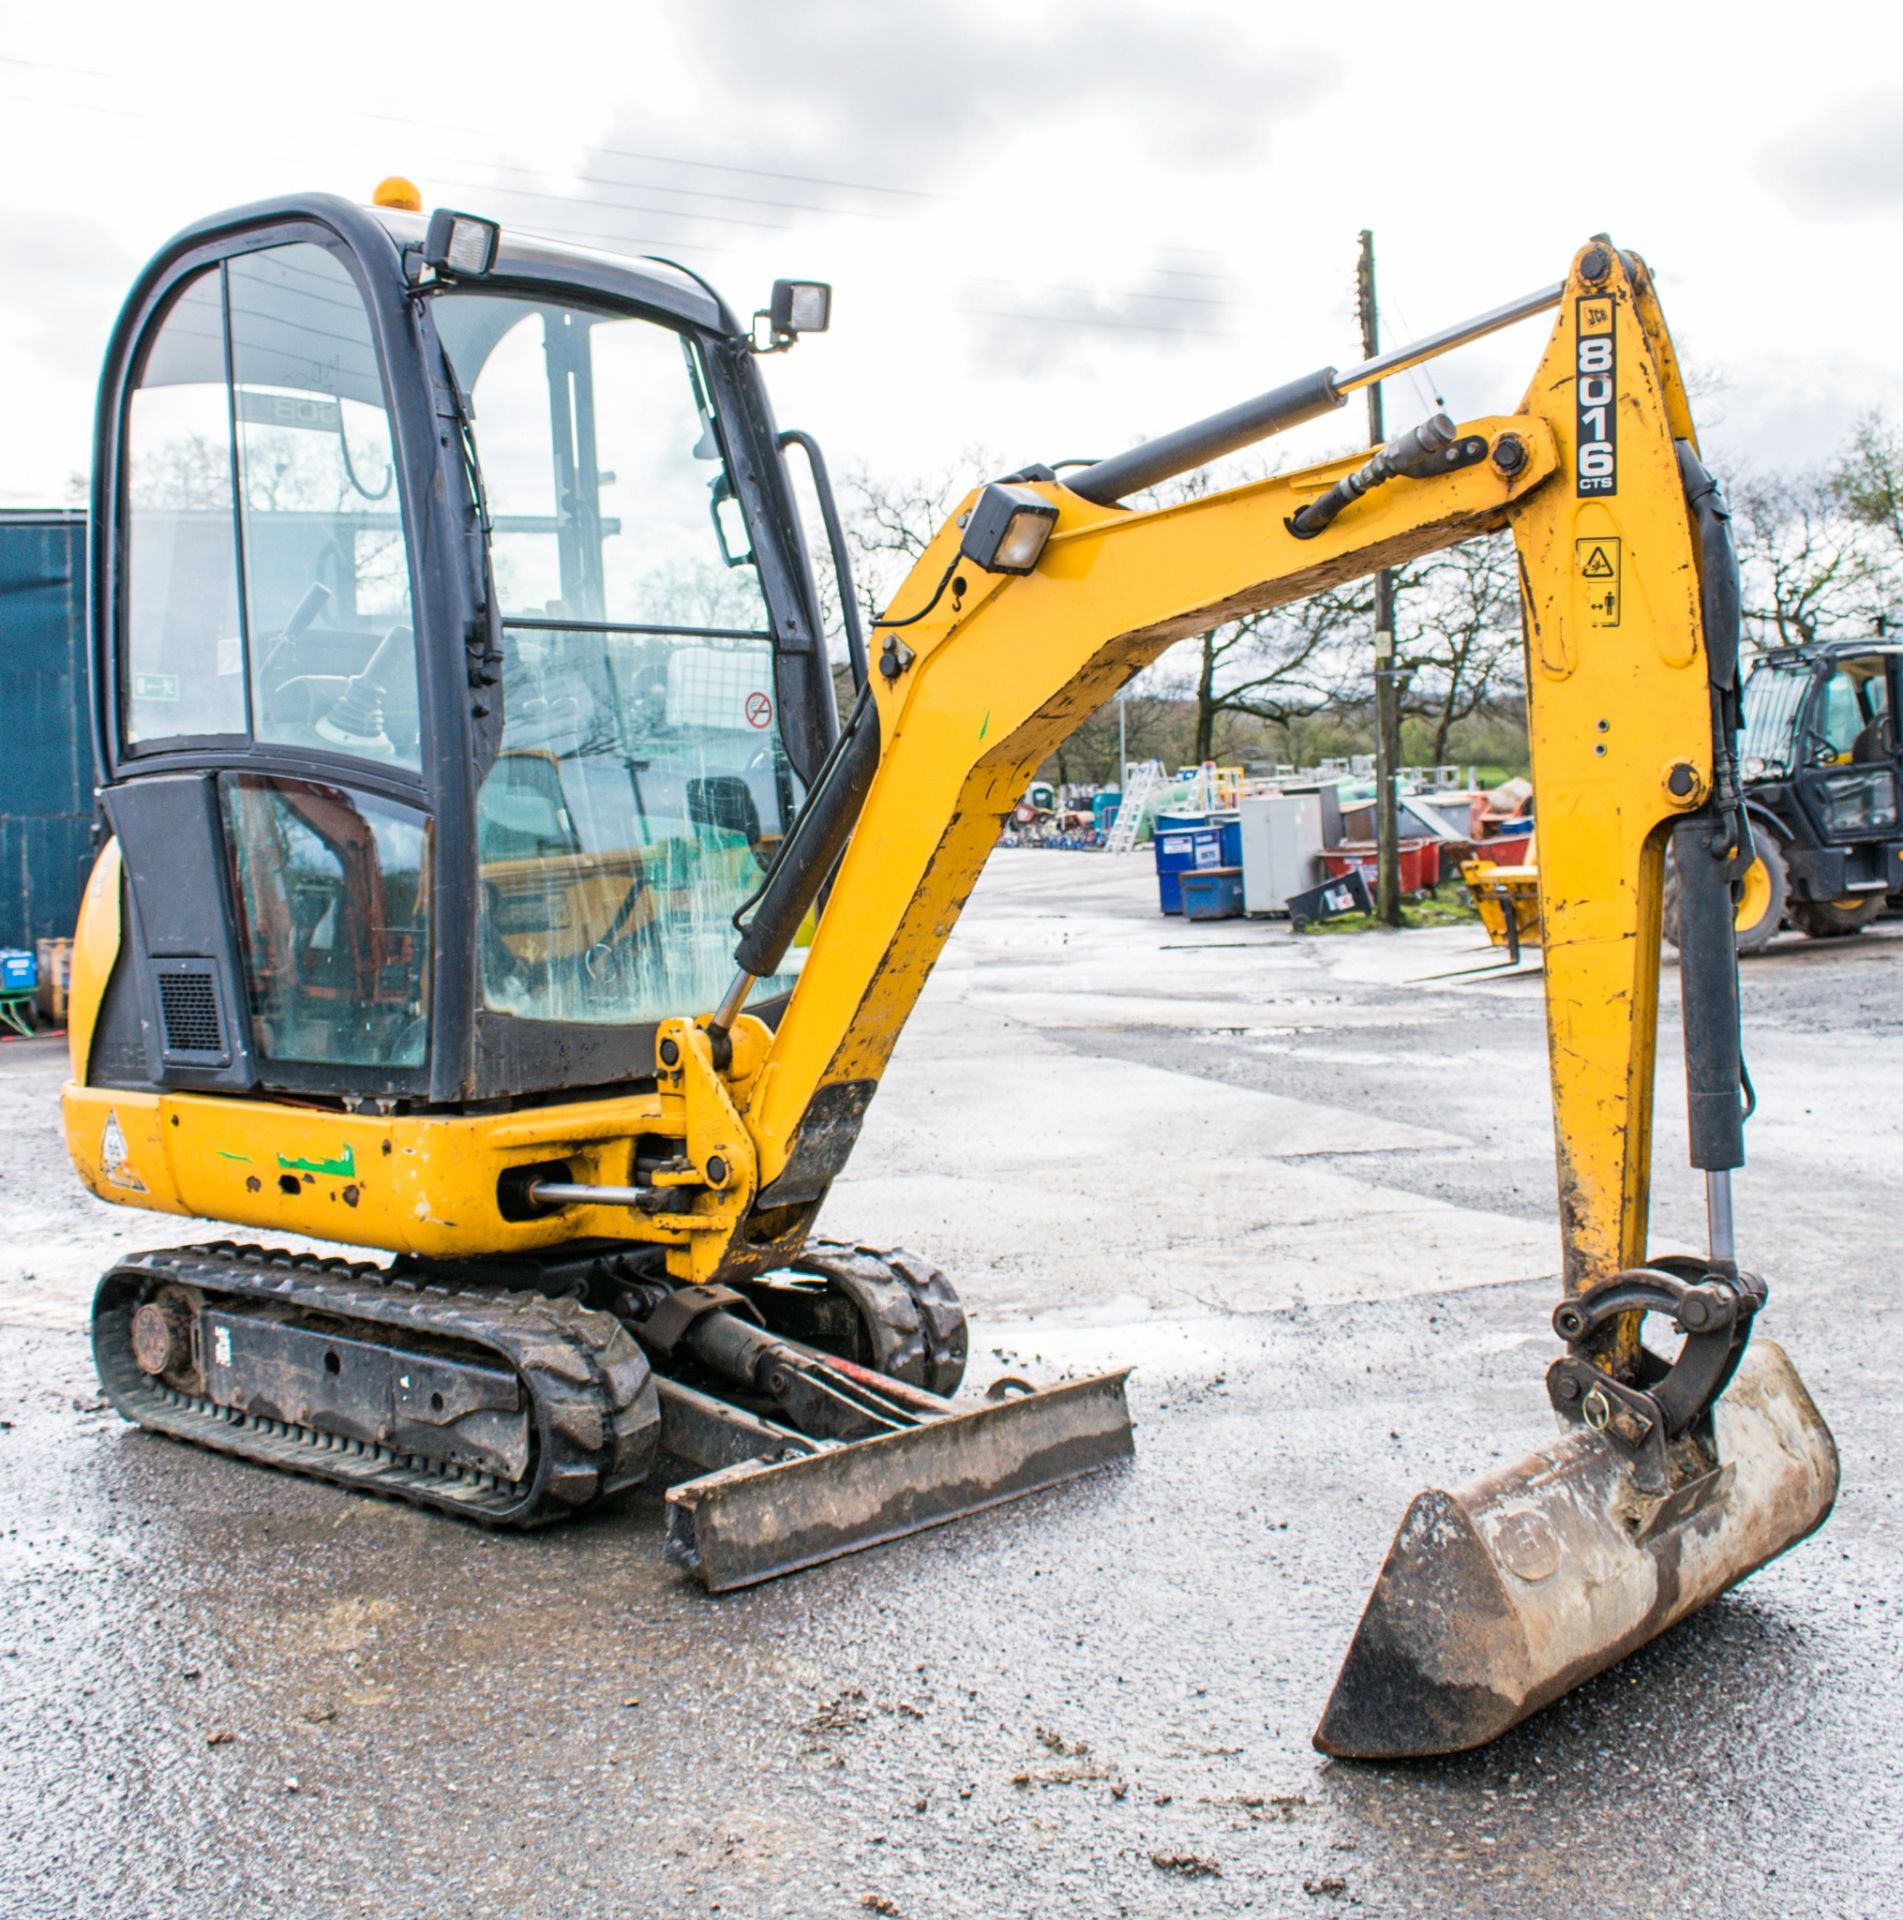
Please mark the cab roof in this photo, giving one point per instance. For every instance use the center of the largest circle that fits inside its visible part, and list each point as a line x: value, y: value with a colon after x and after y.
x: 522, y: 260
x: 530, y: 257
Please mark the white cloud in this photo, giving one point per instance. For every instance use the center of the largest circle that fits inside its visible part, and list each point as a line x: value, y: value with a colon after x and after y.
x: 1052, y: 230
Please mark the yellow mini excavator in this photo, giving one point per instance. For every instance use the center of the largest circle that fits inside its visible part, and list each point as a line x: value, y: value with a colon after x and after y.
x: 489, y: 882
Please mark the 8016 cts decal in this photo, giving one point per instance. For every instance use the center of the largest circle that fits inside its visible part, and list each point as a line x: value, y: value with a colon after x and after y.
x: 1596, y: 376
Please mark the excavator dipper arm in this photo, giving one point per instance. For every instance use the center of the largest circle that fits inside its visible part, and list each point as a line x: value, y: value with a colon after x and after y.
x: 1658, y: 1494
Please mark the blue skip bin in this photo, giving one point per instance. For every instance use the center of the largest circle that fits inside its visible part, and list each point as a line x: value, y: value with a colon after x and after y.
x: 1213, y: 893
x: 1189, y: 849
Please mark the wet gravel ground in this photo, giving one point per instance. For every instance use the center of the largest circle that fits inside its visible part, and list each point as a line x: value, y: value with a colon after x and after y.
x: 224, y: 1692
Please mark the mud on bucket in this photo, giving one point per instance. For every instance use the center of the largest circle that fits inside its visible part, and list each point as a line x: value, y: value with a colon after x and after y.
x: 1497, y: 1599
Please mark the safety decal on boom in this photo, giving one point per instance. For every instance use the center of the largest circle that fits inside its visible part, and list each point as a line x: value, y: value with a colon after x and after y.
x: 1597, y: 382
x: 1598, y: 561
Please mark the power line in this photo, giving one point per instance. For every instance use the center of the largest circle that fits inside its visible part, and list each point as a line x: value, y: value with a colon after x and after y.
x: 1083, y: 320
x: 82, y: 106
x: 627, y: 206
x: 1125, y: 293
x: 652, y: 186
x: 613, y: 239
x: 671, y: 160
x: 53, y: 66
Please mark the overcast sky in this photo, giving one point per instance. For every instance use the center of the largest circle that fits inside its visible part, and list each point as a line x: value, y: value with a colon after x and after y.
x: 1053, y: 228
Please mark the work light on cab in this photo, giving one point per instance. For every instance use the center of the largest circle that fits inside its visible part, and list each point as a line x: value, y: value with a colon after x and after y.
x: 795, y: 307
x: 461, y: 244
x: 1008, y: 528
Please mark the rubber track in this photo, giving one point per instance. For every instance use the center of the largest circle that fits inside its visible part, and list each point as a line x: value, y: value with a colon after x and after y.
x: 595, y: 1413
x: 919, y: 1333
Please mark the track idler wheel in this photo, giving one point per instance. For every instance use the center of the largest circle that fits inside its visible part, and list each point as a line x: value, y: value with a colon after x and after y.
x: 889, y: 1310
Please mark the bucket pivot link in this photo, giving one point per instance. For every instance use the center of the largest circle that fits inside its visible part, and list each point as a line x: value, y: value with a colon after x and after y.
x: 1671, y: 1400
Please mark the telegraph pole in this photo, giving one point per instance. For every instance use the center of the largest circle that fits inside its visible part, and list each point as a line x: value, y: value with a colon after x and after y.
x: 1387, y: 692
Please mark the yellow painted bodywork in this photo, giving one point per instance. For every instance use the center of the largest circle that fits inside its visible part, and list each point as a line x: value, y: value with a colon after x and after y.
x: 1002, y: 669
x: 95, y: 954
x: 1754, y: 896
x: 414, y: 1183
x: 1500, y: 891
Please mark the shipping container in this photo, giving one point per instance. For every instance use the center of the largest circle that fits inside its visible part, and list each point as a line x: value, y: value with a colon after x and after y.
x: 46, y: 806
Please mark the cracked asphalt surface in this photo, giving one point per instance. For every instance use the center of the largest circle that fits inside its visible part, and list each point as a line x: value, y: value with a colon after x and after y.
x: 225, y: 1692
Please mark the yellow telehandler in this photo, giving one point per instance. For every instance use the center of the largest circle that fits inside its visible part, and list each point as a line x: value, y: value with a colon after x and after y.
x: 490, y: 883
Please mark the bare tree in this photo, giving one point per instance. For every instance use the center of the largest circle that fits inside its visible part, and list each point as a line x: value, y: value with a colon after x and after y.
x: 1271, y: 667
x: 1149, y: 721
x: 889, y: 522
x: 1868, y: 478
x: 1460, y: 643
x: 1805, y: 551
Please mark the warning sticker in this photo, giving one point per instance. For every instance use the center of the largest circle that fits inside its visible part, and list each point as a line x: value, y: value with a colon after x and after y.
x: 1598, y: 561
x: 759, y: 709
x: 113, y: 1163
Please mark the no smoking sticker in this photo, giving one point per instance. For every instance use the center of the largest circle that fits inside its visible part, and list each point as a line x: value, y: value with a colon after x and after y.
x: 759, y: 710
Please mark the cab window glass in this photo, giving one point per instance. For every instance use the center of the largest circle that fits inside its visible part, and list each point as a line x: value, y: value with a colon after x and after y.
x: 333, y: 892
x: 1838, y: 715
x: 326, y: 569
x: 183, y: 672
x: 603, y: 468
x: 1853, y: 714
x: 642, y: 786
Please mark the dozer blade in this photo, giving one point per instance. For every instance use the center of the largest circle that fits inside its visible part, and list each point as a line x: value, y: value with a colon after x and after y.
x: 1497, y: 1599
x: 748, y: 1523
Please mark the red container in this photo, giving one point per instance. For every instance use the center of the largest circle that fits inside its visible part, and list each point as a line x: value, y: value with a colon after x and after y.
x: 1510, y: 852
x: 1419, y: 862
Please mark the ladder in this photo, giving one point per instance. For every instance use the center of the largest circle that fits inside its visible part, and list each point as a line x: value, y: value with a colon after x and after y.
x: 1141, y: 785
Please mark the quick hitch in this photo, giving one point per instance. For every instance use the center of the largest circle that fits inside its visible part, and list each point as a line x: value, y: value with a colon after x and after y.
x: 1713, y: 1309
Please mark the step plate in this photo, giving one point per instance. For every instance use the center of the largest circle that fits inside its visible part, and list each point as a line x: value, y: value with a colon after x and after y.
x: 752, y: 1522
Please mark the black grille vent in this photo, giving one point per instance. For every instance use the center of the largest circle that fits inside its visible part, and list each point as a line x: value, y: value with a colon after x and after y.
x: 188, y: 1004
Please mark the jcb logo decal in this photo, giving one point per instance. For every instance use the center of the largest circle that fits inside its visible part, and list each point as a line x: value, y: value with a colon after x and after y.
x: 1597, y: 381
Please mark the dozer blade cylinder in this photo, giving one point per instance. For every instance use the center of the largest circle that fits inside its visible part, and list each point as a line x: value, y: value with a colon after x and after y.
x: 1497, y: 1599
x: 748, y: 1523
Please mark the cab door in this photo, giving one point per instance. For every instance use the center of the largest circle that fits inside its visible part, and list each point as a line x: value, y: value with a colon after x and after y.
x: 265, y: 736
x: 1846, y: 773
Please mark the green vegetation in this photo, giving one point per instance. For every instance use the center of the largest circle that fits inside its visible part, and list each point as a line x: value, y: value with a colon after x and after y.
x: 1446, y: 906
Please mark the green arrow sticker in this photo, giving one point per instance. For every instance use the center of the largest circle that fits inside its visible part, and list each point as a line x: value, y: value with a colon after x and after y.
x: 344, y: 1166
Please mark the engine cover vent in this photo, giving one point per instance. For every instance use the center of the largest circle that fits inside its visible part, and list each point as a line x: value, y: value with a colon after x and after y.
x: 190, y: 1015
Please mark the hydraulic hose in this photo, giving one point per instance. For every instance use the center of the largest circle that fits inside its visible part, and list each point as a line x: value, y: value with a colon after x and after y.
x: 811, y: 850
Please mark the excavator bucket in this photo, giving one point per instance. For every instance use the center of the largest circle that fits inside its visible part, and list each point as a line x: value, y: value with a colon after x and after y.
x: 1497, y: 1599
x: 748, y: 1522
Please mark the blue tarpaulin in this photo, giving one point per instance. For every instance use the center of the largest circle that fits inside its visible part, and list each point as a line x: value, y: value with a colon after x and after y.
x: 46, y: 771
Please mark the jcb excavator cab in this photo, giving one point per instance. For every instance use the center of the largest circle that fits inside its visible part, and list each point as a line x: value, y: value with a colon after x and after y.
x: 459, y: 665
x: 458, y: 672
